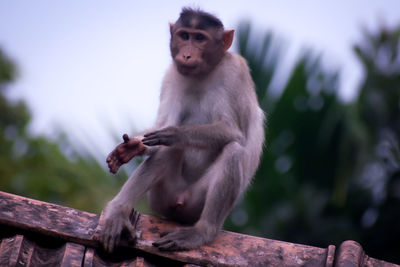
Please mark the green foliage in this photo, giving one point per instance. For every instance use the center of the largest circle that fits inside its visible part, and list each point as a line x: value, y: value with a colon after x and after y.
x: 379, y: 106
x: 314, y: 184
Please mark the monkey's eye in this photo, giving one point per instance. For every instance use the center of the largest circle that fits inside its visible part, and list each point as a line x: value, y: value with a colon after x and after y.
x: 200, y: 37
x: 184, y: 36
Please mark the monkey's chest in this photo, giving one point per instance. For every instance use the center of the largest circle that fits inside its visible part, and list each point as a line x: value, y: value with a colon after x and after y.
x: 196, y: 162
x: 196, y: 109
x: 194, y: 115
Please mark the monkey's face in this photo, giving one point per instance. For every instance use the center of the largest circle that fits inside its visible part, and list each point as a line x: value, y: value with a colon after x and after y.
x: 195, y: 52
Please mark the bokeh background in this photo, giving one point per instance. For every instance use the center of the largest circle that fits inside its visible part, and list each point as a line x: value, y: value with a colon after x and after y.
x: 75, y: 75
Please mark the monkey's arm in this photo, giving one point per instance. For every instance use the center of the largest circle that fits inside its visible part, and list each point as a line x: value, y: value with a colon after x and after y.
x: 213, y: 135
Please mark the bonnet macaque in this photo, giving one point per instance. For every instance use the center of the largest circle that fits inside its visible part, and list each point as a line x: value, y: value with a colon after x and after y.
x: 205, y: 145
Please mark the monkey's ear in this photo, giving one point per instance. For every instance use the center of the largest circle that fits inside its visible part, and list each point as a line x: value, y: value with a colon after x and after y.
x: 228, y: 38
x: 171, y: 27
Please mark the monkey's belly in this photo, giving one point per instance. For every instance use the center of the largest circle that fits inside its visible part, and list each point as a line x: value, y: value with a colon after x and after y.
x: 184, y: 207
x: 181, y: 195
x: 195, y: 163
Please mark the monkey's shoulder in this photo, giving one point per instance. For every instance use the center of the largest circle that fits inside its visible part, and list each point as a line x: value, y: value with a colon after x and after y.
x: 235, y: 61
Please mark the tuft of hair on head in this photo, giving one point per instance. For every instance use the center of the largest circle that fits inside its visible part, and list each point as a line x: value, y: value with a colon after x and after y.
x: 197, y: 18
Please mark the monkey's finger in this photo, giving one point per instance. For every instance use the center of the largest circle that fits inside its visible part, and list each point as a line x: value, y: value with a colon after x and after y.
x: 117, y: 240
x: 159, y: 243
x: 166, y: 245
x: 151, y: 141
x: 111, y: 159
x: 111, y: 168
x: 126, y: 138
x: 108, y: 244
x: 114, y: 237
x: 151, y: 133
x: 131, y: 229
x: 107, y: 236
x: 166, y: 232
x: 162, y: 241
x: 115, y: 169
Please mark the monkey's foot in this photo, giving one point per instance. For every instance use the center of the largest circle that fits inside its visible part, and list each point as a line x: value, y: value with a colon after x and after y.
x: 116, y: 226
x: 181, y: 239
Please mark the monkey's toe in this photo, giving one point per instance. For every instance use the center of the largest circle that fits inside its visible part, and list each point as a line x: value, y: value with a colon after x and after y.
x: 179, y: 239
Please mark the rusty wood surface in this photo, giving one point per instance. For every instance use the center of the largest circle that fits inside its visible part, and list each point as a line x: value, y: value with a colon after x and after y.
x: 73, y: 255
x: 93, y: 259
x: 330, y: 257
x: 229, y: 249
x: 46, y: 218
x: 10, y: 249
x: 232, y: 249
x: 89, y: 258
x: 351, y: 254
x: 371, y: 262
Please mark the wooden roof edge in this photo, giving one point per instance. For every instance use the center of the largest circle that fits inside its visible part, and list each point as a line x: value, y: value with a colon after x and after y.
x: 229, y: 249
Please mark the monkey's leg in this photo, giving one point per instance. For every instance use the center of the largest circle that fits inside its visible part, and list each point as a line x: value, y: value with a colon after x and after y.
x: 225, y: 180
x: 116, y: 214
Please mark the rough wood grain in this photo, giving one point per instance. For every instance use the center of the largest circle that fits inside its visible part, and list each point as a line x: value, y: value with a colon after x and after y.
x: 73, y: 255
x: 75, y: 229
x: 46, y: 218
x: 232, y: 249
x: 10, y: 249
x: 229, y: 249
x: 350, y: 254
x: 89, y: 258
x: 330, y: 256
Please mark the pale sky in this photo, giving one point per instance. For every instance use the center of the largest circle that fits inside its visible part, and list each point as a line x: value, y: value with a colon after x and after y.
x: 92, y: 65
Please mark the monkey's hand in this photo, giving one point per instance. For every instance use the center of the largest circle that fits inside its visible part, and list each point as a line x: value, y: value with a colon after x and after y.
x: 184, y: 238
x: 114, y: 219
x: 167, y: 136
x: 124, y: 152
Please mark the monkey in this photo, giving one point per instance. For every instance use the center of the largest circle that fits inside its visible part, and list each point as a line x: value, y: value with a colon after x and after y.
x: 206, y: 143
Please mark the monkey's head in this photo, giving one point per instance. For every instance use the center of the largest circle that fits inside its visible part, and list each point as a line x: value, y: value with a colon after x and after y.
x: 198, y: 42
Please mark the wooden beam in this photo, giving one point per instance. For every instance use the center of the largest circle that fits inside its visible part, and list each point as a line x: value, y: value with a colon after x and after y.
x: 229, y: 249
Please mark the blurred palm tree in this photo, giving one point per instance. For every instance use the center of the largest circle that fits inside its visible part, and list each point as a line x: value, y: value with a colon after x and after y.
x: 379, y: 109
x: 309, y: 187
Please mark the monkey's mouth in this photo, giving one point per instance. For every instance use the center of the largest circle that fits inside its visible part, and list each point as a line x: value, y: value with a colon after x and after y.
x: 187, y: 69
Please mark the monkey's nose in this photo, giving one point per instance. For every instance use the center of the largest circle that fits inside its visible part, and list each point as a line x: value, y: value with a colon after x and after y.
x: 186, y: 57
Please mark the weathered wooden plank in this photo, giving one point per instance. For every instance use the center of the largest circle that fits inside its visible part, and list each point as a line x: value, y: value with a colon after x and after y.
x: 139, y: 262
x: 46, y: 218
x: 229, y: 249
x: 232, y: 249
x: 330, y: 256
x: 16, y: 251
x: 73, y: 255
x: 350, y: 254
x: 92, y: 259
x: 26, y: 252
x: 371, y: 262
x: 89, y: 258
x: 10, y: 249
